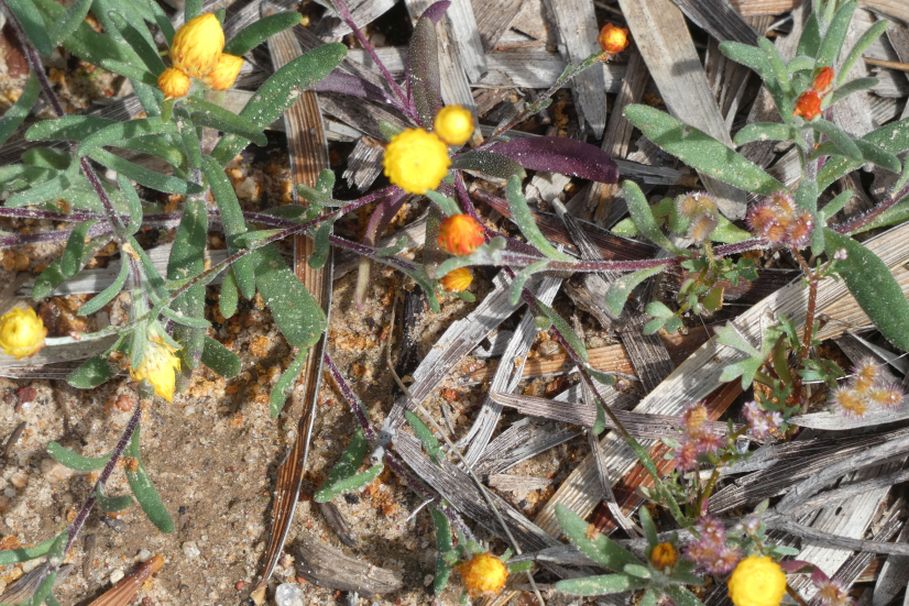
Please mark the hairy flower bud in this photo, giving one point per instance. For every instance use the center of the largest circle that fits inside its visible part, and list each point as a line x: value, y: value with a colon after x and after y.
x: 173, y: 83
x: 416, y: 160
x: 22, y: 332
x: 197, y: 45
x: 613, y: 39
x: 454, y: 124
x: 460, y: 234
x: 457, y: 280
x: 225, y: 73
x: 484, y: 573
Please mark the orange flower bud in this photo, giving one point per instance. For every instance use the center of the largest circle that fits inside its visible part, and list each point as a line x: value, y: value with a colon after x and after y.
x: 664, y: 555
x: 613, y: 39
x: 173, y: 83
x: 197, y: 45
x: 454, y: 124
x: 225, y: 73
x: 460, y: 235
x: 457, y: 280
x: 823, y: 79
x: 484, y: 573
x: 808, y: 105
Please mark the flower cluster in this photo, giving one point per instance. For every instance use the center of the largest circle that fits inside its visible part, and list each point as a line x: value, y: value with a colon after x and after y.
x: 613, y: 39
x: 779, y: 221
x: 484, y: 573
x: 757, y: 581
x: 159, y: 367
x: 197, y: 51
x: 700, y: 209
x: 808, y: 105
x: 762, y: 424
x: 698, y: 440
x: 22, y: 332
x: 710, y: 551
x: 867, y: 387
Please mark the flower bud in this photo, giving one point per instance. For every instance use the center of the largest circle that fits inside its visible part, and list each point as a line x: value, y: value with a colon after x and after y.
x: 454, y: 124
x: 460, y: 234
x: 808, y: 105
x: 457, y: 280
x: 197, y: 45
x: 613, y: 39
x: 663, y: 556
x: 416, y: 160
x: 22, y: 332
x: 173, y: 83
x: 159, y: 366
x: 225, y: 73
x: 484, y: 573
x: 823, y: 79
x: 757, y: 581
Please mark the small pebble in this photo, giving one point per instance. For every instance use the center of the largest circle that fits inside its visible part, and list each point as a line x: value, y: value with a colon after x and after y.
x: 289, y: 594
x: 190, y: 550
x: 116, y: 575
x: 144, y: 555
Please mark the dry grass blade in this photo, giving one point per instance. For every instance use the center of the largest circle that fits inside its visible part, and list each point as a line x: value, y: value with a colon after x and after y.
x: 127, y: 588
x: 308, y: 150
x: 327, y: 566
x: 718, y: 19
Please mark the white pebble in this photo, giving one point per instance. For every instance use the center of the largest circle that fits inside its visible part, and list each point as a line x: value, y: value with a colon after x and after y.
x: 289, y: 594
x: 116, y: 575
x: 190, y: 550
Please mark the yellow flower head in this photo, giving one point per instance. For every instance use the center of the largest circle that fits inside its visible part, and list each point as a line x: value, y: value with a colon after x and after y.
x: 453, y: 124
x: 757, y: 581
x: 483, y: 573
x: 613, y: 39
x: 416, y: 160
x: 159, y: 366
x: 457, y: 280
x: 460, y: 234
x: 663, y: 556
x: 21, y: 332
x: 173, y: 83
x: 197, y: 45
x: 225, y: 73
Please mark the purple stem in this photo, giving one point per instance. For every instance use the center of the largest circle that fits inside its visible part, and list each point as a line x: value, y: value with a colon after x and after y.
x: 382, y: 215
x: 866, y: 218
x: 464, y: 197
x: 404, y: 104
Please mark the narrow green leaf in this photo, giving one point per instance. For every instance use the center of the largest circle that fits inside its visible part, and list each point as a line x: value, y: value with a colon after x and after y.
x: 67, y: 128
x: 296, y: 313
x: 749, y: 56
x: 868, y: 38
x: 113, y: 502
x: 133, y: 204
x: 517, y: 285
x: 23, y: 554
x: 70, y: 263
x: 141, y: 175
x: 488, y: 163
x: 19, y: 111
x: 90, y: 374
x: 114, y: 134
x: 447, y: 205
x: 45, y: 587
x: 214, y: 116
x: 893, y: 138
x: 777, y: 66
x: 321, y: 245
x: 443, y: 546
x: 682, y: 597
x: 838, y: 137
x: 32, y: 21
x: 602, y: 584
x: 874, y: 288
x: 343, y: 477
x: 764, y: 131
x: 650, y: 531
x: 642, y: 216
x: 285, y: 382
x: 874, y: 154
x: 621, y: 289
x: 74, y: 17
x: 75, y: 461
x: 110, y: 291
x: 836, y: 204
x: 564, y: 329
x: 277, y: 93
x: 701, y: 151
x: 835, y: 36
x: 259, y: 31
x: 423, y: 70
x: 228, y: 296
x: 145, y: 492
x: 424, y: 433
x: 523, y: 218
x: 130, y: 70
x: 220, y: 359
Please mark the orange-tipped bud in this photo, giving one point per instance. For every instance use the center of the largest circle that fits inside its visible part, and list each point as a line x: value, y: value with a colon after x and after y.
x: 225, y: 73
x: 173, y: 83
x: 457, y: 280
x: 454, y: 124
x: 808, y: 105
x: 460, y: 234
x: 613, y: 39
x: 823, y: 79
x: 484, y: 573
x: 663, y: 556
x: 197, y: 45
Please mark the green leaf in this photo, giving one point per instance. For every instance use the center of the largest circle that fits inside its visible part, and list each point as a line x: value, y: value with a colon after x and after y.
x: 19, y: 111
x: 637, y: 570
x: 835, y: 36
x: 806, y: 195
x: 277, y: 93
x: 114, y: 134
x: 523, y: 218
x: 67, y: 128
x: 621, y: 289
x: 343, y: 477
x: 214, y: 116
x: 868, y: 38
x: 564, y: 329
x: 145, y: 492
x: 893, y: 138
x: 764, y: 131
x: 840, y: 139
x: 853, y: 86
x: 296, y: 313
x: 220, y: 359
x: 599, y: 548
x: 517, y: 285
x: 488, y: 163
x: 187, y: 259
x: 70, y: 263
x: 701, y: 151
x: 130, y: 70
x: 112, y: 503
x: 75, y: 461
x: 682, y: 597
x: 750, y: 56
x: 810, y: 40
x: 447, y: 205
x: 874, y: 288
x: 321, y: 245
x: 836, y: 204
x: 141, y: 175
x: 422, y: 431
x: 90, y: 374
x: 75, y: 15
x: 285, y: 382
x: 443, y: 546
x: 727, y: 335
x: 777, y: 65
x: 23, y: 554
x: 650, y: 531
x: 32, y: 21
x: 228, y: 296
x: 602, y: 584
x: 259, y: 31
x: 132, y: 30
x: 874, y: 154
x: 423, y: 70
x: 349, y: 484
x: 110, y: 291
x: 191, y: 9
x: 642, y: 216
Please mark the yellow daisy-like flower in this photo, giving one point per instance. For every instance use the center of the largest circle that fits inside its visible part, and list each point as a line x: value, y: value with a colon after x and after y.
x: 416, y: 160
x: 757, y: 581
x: 22, y: 332
x: 173, y: 83
x: 457, y: 280
x: 483, y: 573
x: 159, y: 367
x: 225, y: 73
x: 460, y: 234
x: 453, y: 124
x: 197, y: 45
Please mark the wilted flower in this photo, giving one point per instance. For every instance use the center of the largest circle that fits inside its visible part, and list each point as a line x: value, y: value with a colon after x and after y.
x: 197, y: 45
x: 698, y: 439
x: 460, y: 234
x: 225, y: 72
x: 757, y: 581
x: 484, y: 573
x: 867, y: 387
x: 22, y: 332
x: 173, y: 83
x: 710, y: 551
x: 831, y: 593
x: 416, y: 160
x: 849, y: 401
x: 454, y: 124
x: 762, y: 424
